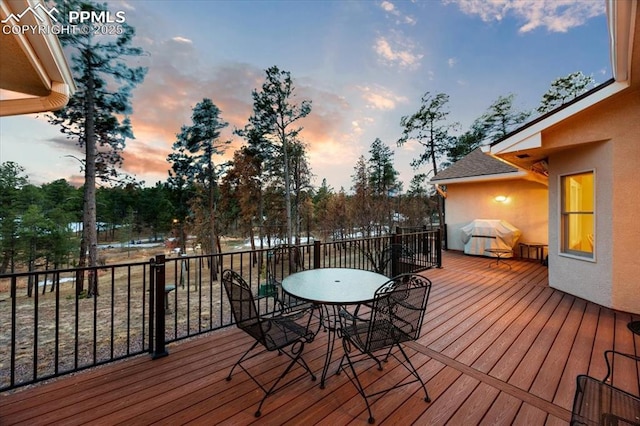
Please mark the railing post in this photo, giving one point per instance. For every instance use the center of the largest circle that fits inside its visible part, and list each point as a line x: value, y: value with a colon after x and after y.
x: 14, y: 293
x: 152, y: 291
x: 396, y: 249
x: 158, y: 307
x: 439, y: 249
x: 317, y: 247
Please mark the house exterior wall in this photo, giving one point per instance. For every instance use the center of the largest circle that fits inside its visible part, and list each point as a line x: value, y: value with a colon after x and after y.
x: 587, y: 278
x: 526, y: 208
x: 604, y: 138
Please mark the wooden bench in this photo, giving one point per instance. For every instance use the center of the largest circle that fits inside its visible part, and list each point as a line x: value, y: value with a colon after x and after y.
x: 537, y: 248
x: 168, y: 289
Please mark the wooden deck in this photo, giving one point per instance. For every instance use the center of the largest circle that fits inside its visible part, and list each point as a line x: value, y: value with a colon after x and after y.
x: 498, y: 347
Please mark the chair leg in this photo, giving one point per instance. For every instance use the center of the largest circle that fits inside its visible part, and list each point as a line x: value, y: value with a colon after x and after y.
x: 242, y: 358
x: 409, y: 366
x: 295, y: 355
x: 355, y: 380
x: 302, y: 363
x: 386, y: 357
x: 375, y: 358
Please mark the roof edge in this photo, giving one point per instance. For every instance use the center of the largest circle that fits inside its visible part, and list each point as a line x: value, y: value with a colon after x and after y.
x: 518, y: 174
x: 43, y: 49
x: 57, y: 99
x: 621, y: 23
x: 510, y: 142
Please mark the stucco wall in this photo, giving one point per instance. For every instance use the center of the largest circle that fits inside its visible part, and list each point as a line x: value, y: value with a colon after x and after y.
x: 613, y: 280
x: 586, y: 278
x: 526, y: 208
x: 626, y: 213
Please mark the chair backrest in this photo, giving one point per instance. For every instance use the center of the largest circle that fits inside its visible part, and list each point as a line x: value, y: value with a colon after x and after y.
x: 282, y: 261
x: 243, y: 305
x: 398, y: 310
x: 385, y: 261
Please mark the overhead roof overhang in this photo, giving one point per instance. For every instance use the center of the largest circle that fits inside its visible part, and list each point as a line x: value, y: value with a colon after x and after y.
x: 32, y: 64
x: 520, y: 174
x: 621, y: 17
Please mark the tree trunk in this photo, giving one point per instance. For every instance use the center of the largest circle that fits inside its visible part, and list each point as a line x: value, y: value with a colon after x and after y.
x: 5, y: 262
x: 261, y: 215
x: 89, y: 221
x: 287, y: 187
x: 439, y: 198
x: 212, y: 221
x: 82, y: 262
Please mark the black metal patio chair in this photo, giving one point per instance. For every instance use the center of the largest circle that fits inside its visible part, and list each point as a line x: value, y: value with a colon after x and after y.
x: 599, y: 402
x: 381, y: 258
x: 395, y: 316
x: 281, y: 261
x: 283, y: 333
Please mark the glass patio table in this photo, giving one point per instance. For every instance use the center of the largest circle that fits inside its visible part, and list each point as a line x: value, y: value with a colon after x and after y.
x: 331, y: 288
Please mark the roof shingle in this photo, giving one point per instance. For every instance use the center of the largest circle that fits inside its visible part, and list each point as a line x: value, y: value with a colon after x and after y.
x: 476, y: 163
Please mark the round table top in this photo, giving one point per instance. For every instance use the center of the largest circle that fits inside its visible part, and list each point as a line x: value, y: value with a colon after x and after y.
x: 498, y: 250
x: 334, y: 285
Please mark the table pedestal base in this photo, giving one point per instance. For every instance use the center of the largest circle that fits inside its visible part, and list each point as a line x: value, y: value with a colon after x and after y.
x: 500, y: 255
x: 331, y: 324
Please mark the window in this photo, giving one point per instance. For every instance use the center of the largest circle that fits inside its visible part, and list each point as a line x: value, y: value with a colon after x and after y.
x: 577, y: 215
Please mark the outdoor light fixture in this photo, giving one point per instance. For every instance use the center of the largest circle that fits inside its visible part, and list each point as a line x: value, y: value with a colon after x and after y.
x: 501, y: 198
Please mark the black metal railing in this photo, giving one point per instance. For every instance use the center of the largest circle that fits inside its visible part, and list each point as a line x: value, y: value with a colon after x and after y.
x: 143, y: 306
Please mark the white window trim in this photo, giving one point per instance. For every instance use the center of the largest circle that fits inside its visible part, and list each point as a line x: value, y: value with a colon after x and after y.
x: 591, y: 258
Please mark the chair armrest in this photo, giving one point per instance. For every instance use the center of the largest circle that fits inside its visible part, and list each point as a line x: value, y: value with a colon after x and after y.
x: 596, y: 402
x: 291, y: 314
x: 299, y: 322
x: 610, y: 363
x: 344, y: 313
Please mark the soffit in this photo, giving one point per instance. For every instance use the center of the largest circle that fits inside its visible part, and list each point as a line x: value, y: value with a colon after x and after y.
x: 524, y: 145
x: 17, y: 73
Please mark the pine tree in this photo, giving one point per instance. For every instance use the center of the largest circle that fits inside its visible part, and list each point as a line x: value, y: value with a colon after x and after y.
x: 273, y: 123
x: 501, y: 117
x: 563, y: 90
x: 429, y: 127
x: 193, y: 161
x: 93, y: 116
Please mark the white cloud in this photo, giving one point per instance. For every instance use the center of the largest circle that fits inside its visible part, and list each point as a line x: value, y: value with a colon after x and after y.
x: 554, y: 15
x: 397, y: 51
x: 179, y: 39
x: 400, y: 17
x: 380, y: 98
x: 387, y: 6
x: 452, y: 62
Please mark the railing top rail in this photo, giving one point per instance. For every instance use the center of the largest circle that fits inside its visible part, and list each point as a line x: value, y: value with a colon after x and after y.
x: 70, y: 270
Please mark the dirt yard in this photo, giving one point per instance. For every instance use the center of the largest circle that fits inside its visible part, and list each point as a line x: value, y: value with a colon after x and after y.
x: 118, y: 315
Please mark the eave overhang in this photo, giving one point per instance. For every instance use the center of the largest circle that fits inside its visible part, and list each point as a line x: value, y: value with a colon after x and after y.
x: 483, y: 178
x: 530, y: 136
x: 621, y: 20
x: 621, y: 23
x: 33, y: 66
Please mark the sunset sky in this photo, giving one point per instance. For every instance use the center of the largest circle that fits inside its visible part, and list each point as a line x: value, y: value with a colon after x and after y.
x: 363, y: 64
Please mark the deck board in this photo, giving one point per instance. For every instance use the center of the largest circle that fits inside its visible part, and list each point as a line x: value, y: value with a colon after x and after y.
x: 498, y: 346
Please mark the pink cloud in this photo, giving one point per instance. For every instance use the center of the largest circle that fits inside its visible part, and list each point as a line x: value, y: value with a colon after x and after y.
x: 164, y: 103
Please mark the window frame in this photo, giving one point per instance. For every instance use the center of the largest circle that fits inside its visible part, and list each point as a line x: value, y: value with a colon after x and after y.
x: 563, y: 216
